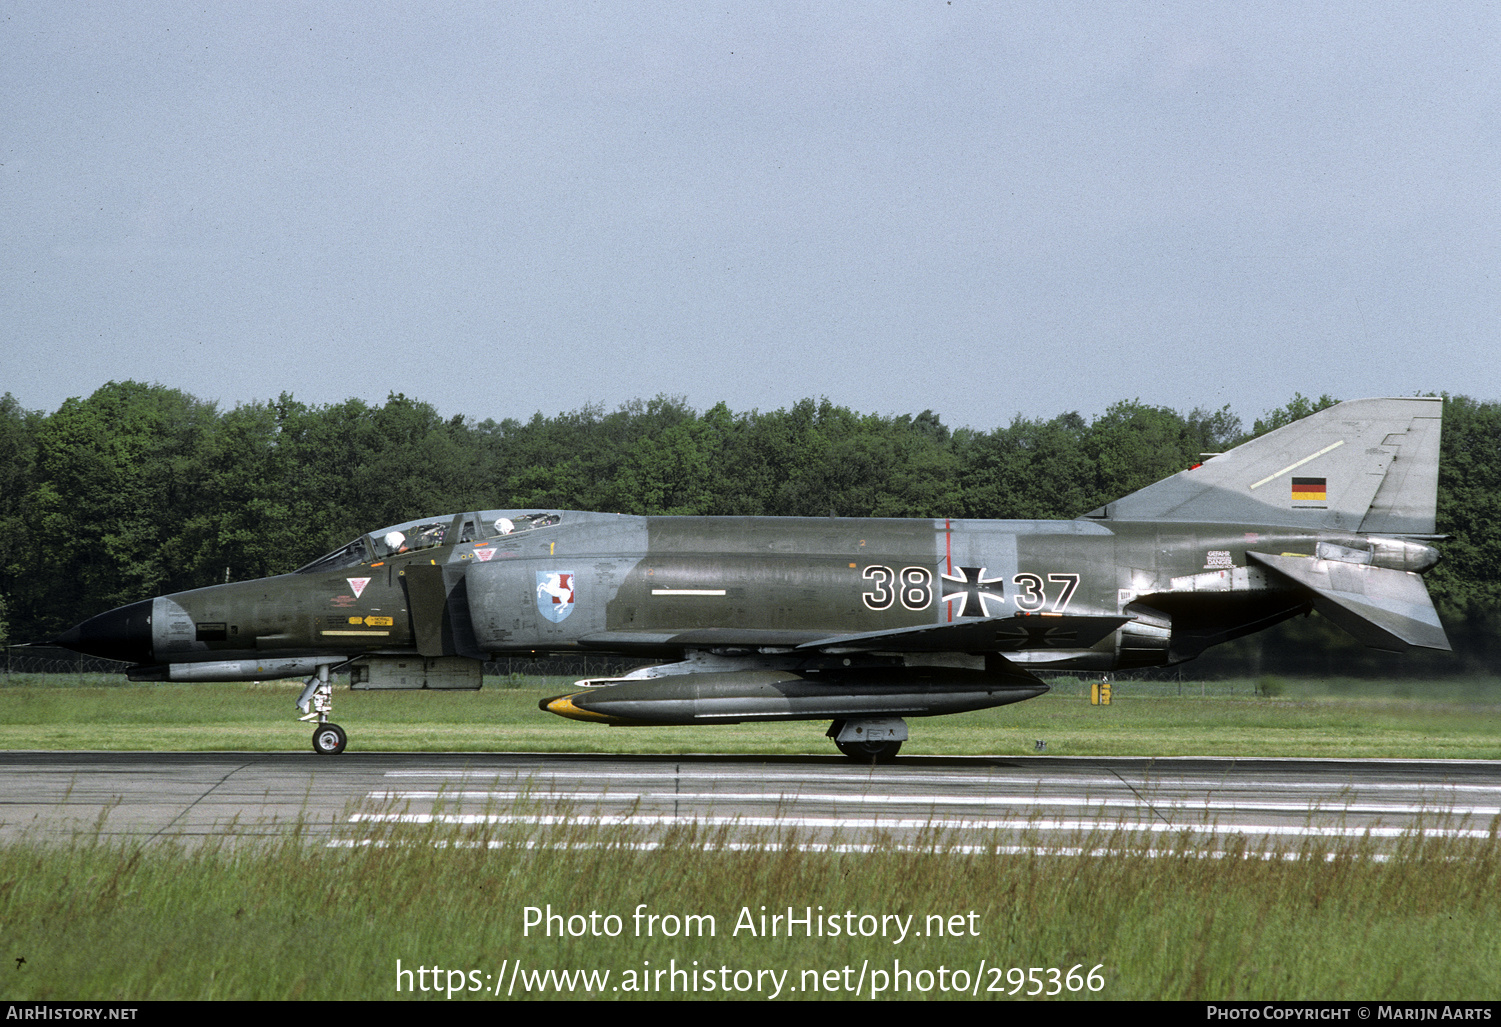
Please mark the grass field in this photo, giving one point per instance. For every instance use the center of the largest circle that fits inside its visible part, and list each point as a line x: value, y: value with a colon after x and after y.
x: 285, y: 919
x: 1448, y: 719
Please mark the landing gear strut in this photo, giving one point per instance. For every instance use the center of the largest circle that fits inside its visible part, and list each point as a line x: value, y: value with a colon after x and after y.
x: 869, y: 740
x: 317, y: 702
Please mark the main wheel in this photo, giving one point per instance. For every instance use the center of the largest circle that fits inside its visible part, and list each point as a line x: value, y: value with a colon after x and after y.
x: 329, y: 740
x: 870, y: 752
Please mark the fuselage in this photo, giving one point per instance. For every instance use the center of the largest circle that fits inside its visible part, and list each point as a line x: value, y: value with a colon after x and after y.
x: 664, y: 586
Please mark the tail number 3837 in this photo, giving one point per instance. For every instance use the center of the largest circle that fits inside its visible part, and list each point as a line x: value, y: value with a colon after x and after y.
x: 914, y: 587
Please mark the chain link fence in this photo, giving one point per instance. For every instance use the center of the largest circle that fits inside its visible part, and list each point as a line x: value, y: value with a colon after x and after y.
x: 48, y: 659
x: 580, y: 666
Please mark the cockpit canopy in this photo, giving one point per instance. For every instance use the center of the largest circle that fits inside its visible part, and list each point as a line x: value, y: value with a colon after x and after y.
x: 429, y: 533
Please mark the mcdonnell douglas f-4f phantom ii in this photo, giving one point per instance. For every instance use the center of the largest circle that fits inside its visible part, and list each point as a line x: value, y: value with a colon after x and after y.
x: 861, y: 622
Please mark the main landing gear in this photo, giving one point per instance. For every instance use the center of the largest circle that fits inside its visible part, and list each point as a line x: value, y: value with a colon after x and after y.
x: 869, y: 752
x: 317, y: 702
x: 869, y: 740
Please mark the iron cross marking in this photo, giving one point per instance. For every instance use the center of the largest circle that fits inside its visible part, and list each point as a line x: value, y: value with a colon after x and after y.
x: 974, y: 589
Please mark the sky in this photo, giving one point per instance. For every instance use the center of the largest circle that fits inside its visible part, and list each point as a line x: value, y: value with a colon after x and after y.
x: 986, y: 210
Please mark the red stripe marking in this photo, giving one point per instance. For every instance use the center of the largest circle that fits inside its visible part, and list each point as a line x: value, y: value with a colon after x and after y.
x: 948, y: 559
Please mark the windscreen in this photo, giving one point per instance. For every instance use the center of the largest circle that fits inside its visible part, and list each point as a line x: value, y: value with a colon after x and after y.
x: 428, y: 533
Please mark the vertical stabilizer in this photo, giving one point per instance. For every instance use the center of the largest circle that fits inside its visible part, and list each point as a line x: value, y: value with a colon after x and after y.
x: 1368, y: 465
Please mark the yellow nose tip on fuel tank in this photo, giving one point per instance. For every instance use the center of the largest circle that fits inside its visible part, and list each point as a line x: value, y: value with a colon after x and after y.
x: 563, y: 706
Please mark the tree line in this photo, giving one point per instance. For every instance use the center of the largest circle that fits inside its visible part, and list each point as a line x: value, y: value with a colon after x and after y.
x: 138, y: 489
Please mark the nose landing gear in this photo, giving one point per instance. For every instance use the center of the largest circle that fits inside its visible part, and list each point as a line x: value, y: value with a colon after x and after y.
x: 317, y: 702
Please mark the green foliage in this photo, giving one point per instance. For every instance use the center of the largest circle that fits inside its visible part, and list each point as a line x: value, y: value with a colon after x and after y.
x: 1032, y: 469
x: 116, y: 477
x: 1300, y: 407
x: 1133, y: 445
x: 139, y: 489
x: 17, y: 476
x: 1469, y: 506
x: 1270, y: 686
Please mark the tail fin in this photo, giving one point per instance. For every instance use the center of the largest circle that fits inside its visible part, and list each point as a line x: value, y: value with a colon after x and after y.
x: 1368, y: 465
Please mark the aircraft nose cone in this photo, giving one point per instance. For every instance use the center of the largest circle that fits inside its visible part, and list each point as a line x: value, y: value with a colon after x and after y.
x: 123, y: 633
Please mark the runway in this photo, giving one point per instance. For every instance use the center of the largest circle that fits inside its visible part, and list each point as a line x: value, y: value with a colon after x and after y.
x: 1013, y: 803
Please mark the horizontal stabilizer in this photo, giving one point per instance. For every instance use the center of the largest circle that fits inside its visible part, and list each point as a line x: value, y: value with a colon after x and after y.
x: 1383, y: 608
x: 1037, y: 631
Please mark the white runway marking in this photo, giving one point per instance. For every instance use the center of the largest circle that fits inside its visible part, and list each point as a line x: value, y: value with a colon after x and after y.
x: 937, y: 801
x: 996, y: 804
x: 915, y: 824
x: 1046, y: 805
x: 905, y: 777
x: 1003, y: 850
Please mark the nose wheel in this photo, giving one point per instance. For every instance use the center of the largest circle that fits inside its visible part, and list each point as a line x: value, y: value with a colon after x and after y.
x: 329, y: 740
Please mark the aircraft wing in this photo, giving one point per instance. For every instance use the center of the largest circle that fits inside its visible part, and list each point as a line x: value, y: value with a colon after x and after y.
x: 972, y: 634
x: 988, y: 634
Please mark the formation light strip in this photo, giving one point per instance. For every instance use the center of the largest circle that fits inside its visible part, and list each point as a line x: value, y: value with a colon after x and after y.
x: 1300, y: 463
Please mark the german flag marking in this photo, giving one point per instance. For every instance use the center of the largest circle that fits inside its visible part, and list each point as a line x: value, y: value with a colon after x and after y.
x: 1310, y: 490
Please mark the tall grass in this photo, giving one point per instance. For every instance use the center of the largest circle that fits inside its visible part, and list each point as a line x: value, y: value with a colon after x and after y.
x: 292, y: 918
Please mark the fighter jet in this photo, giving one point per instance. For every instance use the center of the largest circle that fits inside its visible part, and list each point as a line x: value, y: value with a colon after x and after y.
x: 862, y: 622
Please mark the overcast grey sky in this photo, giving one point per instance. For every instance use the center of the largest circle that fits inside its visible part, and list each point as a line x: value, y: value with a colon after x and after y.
x: 983, y: 209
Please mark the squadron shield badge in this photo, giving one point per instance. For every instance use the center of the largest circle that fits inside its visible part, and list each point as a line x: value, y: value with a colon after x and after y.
x: 555, y: 594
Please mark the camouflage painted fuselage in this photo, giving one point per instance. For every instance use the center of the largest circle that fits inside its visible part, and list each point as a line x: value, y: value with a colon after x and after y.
x: 1047, y: 592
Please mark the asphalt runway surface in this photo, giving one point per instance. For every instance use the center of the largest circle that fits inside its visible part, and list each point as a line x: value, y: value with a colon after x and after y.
x: 1015, y: 803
